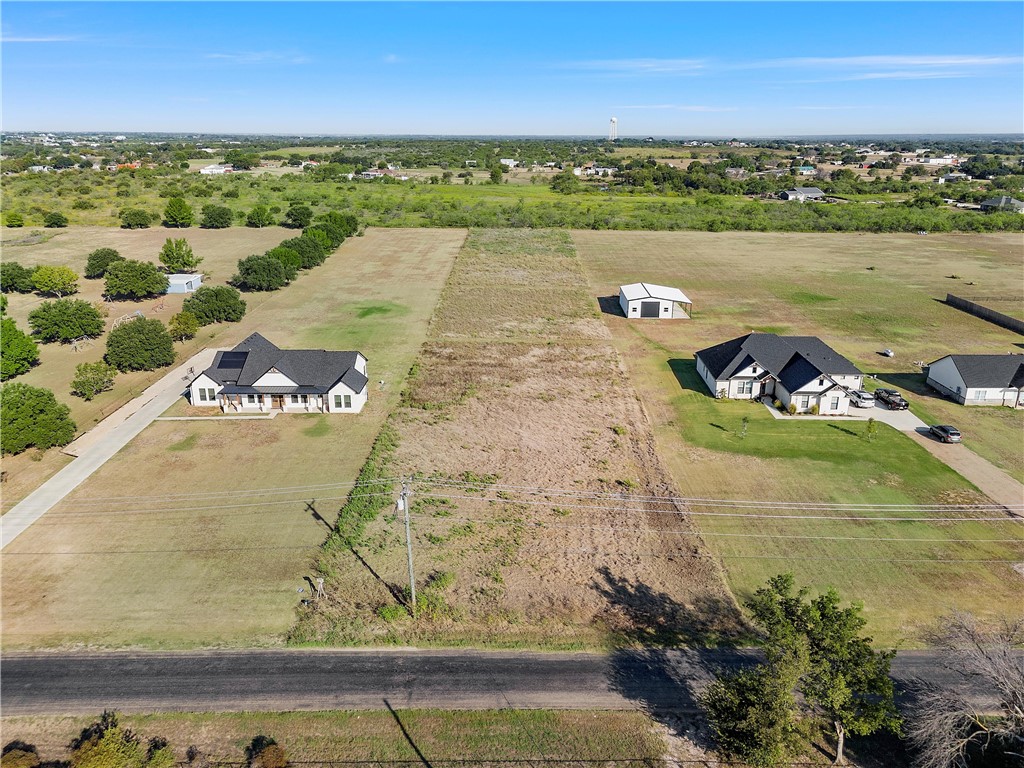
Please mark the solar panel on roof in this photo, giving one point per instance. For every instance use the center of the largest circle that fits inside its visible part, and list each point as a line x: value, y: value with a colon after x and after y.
x: 233, y: 359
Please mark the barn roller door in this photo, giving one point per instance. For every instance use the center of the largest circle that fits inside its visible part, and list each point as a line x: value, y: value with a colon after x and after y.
x: 650, y: 309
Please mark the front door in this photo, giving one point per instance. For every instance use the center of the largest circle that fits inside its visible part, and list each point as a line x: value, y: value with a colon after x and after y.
x: 276, y: 401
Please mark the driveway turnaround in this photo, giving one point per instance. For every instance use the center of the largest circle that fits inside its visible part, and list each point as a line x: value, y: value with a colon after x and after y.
x: 96, y: 446
x: 234, y: 681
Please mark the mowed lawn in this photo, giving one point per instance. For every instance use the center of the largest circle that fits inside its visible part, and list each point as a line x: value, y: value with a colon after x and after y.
x: 376, y: 737
x: 812, y: 284
x: 200, y: 532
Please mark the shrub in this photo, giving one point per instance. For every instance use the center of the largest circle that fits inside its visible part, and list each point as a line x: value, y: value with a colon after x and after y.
x: 346, y: 223
x: 177, y: 256
x: 216, y: 217
x: 14, y: 219
x: 259, y: 217
x: 130, y: 279
x: 55, y: 281
x: 815, y: 409
x: 778, y: 404
x: 15, y: 278
x: 82, y: 204
x: 289, y: 258
x: 792, y: 409
x: 65, y: 320
x: 183, y: 325
x: 333, y: 234
x: 55, y: 219
x: 18, y: 352
x: 92, y: 378
x: 260, y: 273
x: 99, y: 260
x: 134, y: 218
x: 298, y: 216
x: 320, y: 237
x: 31, y: 416
x: 310, y: 251
x: 178, y: 213
x: 392, y: 612
x: 215, y: 304
x: 140, y: 345
x: 264, y: 752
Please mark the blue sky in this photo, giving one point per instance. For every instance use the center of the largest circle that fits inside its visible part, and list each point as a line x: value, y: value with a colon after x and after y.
x: 679, y: 69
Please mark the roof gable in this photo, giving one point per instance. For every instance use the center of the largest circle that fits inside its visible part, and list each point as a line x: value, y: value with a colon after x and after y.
x: 989, y: 370
x: 776, y: 353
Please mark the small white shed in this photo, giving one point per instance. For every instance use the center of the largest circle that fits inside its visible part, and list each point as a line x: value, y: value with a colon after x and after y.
x: 646, y: 300
x: 181, y: 283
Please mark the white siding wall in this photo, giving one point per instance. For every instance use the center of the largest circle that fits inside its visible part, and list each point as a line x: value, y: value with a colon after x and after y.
x: 705, y: 374
x: 666, y: 309
x: 944, y: 376
x: 358, y: 399
x: 202, y: 382
x: 271, y: 379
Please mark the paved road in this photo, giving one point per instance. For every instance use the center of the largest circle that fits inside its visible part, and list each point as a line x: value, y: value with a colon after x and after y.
x: 99, y: 444
x: 50, y: 683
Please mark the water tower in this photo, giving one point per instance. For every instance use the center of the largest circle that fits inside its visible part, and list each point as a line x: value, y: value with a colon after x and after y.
x: 613, y: 129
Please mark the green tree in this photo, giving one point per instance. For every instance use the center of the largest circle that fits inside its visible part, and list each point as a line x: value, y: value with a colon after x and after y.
x: 815, y: 648
x: 566, y: 182
x: 318, y: 235
x: 92, y: 378
x: 298, y: 216
x: 260, y: 273
x: 14, y: 278
x: 65, y: 320
x: 106, y: 744
x: 55, y: 220
x: 310, y: 251
x: 259, y: 217
x: 183, y: 325
x: 347, y: 223
x: 99, y: 260
x: 215, y: 304
x: 333, y: 236
x: 14, y: 219
x: 178, y: 213
x: 140, y: 345
x: 177, y: 256
x: 134, y: 218
x: 496, y: 175
x: 55, y: 281
x: 130, y: 279
x: 31, y: 416
x: 18, y: 352
x: 290, y: 259
x: 216, y: 217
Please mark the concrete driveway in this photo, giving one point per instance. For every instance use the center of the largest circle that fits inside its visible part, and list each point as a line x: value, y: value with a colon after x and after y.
x: 96, y: 446
x: 904, y: 421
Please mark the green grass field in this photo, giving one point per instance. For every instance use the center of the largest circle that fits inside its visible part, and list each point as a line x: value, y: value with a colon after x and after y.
x: 779, y: 288
x: 430, y: 737
x: 173, y: 543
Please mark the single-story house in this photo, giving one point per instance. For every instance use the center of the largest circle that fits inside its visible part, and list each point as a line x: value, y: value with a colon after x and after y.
x: 953, y: 178
x: 801, y: 370
x: 979, y: 379
x: 806, y: 170
x: 646, y: 300
x: 216, y: 169
x: 509, y: 162
x: 258, y: 377
x: 1002, y: 203
x: 182, y: 283
x: 802, y: 193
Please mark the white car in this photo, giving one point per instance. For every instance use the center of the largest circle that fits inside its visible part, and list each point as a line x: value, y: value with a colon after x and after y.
x: 862, y: 399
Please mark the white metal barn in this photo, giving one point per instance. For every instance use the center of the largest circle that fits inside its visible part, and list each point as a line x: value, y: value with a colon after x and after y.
x: 646, y: 300
x: 182, y: 283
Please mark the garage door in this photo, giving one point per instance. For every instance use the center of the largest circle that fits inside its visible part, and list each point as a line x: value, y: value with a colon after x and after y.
x: 650, y: 309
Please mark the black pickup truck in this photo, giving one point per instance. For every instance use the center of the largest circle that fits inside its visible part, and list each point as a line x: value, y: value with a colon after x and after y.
x: 892, y: 399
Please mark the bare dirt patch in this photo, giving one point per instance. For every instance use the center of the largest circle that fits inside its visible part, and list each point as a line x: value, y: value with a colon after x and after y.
x: 519, y: 388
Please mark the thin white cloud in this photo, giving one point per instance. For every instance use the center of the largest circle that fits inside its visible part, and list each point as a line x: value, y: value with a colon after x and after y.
x: 391, y: 58
x: 259, y: 57
x: 40, y: 39
x: 897, y: 75
x: 679, y: 107
x: 639, y: 66
x: 881, y: 62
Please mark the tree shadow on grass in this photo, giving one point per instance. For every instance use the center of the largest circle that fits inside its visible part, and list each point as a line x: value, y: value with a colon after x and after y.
x: 670, y: 649
x: 844, y: 429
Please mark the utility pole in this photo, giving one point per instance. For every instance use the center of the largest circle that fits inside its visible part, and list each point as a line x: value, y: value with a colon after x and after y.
x: 403, y: 506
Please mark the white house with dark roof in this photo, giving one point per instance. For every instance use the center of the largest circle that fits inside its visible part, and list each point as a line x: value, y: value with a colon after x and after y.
x: 647, y: 300
x: 1003, y: 203
x: 258, y: 377
x: 979, y: 379
x: 802, y: 193
x: 801, y: 370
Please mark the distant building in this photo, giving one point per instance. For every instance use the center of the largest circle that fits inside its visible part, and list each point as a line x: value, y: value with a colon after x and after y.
x: 646, y: 300
x: 216, y: 170
x: 953, y: 178
x: 802, y: 193
x: 979, y: 379
x: 1003, y: 203
x: 509, y: 162
x: 806, y: 170
x: 183, y: 283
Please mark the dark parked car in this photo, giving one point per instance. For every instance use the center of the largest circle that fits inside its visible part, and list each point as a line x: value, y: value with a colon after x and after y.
x: 892, y: 399
x: 945, y: 433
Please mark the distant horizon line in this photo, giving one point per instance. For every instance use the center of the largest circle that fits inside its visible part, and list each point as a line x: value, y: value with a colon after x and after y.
x: 595, y: 137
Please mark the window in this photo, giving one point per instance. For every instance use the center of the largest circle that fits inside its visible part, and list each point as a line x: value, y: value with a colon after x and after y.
x: 805, y: 401
x: 207, y: 395
x: 304, y: 398
x: 632, y: 309
x: 251, y: 399
x: 821, y: 381
x: 295, y: 399
x: 348, y: 401
x: 753, y: 369
x: 835, y: 404
x: 979, y: 394
x: 746, y: 387
x: 337, y: 401
x: 664, y: 309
